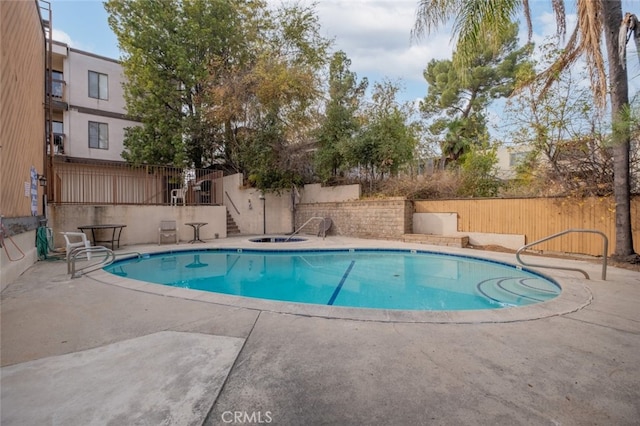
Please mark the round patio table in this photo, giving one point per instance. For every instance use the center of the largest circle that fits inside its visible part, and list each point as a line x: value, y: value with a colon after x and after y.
x: 115, y: 234
x: 196, y: 230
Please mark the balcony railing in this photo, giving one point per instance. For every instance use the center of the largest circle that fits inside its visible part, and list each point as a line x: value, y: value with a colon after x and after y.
x: 79, y: 182
x: 58, y: 144
x: 58, y: 94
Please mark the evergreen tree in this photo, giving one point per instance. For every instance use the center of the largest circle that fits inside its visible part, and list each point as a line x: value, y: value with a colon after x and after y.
x: 341, y: 122
x: 457, y: 101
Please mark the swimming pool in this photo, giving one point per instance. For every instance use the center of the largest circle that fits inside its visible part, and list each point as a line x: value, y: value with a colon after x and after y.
x: 362, y: 278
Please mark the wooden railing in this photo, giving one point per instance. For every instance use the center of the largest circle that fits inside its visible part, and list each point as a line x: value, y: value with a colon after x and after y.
x: 96, y: 182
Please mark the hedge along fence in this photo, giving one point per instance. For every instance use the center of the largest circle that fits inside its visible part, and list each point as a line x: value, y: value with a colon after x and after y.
x: 537, y: 218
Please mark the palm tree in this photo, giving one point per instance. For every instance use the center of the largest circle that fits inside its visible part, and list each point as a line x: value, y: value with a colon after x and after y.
x: 476, y: 22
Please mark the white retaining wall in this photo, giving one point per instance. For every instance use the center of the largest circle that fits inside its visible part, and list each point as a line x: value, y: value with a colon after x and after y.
x: 142, y: 221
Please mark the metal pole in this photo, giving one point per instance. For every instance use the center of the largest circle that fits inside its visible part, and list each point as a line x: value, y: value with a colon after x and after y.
x: 264, y: 214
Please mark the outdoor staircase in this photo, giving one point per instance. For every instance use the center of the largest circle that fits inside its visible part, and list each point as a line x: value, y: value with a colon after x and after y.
x: 232, y: 227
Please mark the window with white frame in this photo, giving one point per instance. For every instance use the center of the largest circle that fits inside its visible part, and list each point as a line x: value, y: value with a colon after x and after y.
x: 517, y: 158
x: 58, y: 136
x: 98, y: 85
x: 57, y: 84
x: 98, y: 135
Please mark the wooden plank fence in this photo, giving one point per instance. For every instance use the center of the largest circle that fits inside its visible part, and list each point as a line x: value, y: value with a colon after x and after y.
x: 537, y: 218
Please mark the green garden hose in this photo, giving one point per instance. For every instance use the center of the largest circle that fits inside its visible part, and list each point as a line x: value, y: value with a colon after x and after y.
x: 44, y: 242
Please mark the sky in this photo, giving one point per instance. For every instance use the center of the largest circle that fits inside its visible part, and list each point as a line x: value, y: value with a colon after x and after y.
x: 375, y: 35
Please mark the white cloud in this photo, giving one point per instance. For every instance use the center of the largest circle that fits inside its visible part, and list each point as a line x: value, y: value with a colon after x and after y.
x: 375, y: 35
x: 63, y: 37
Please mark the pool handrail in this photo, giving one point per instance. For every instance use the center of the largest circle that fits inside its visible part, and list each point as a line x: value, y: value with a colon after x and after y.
x: 324, y: 230
x: 605, y: 251
x: 109, y: 258
x: 81, y: 252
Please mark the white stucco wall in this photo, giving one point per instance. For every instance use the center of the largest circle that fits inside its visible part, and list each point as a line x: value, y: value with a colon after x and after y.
x: 249, y: 213
x: 316, y: 193
x: 13, y: 264
x: 77, y: 65
x: 510, y: 241
x: 142, y: 221
x: 435, y: 223
x: 77, y: 136
x: 506, y: 169
x: 76, y: 75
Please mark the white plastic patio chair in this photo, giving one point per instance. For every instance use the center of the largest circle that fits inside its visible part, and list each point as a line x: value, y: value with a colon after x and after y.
x: 83, y: 241
x: 178, y: 194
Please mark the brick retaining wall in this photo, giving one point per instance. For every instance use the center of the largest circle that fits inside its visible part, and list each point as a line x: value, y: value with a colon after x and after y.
x: 383, y: 219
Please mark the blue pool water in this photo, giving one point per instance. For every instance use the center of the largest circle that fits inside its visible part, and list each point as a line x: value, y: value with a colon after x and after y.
x: 380, y: 279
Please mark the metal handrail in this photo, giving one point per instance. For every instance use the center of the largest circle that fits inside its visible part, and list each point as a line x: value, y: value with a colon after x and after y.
x: 95, y: 267
x: 130, y: 254
x: 82, y: 251
x: 324, y: 231
x: 605, y: 251
x: 231, y: 201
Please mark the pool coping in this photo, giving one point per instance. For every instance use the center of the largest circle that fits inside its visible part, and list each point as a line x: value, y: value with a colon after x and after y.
x: 575, y: 294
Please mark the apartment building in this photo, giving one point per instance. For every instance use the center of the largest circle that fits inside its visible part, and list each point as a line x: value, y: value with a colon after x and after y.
x: 89, y: 113
x: 71, y: 118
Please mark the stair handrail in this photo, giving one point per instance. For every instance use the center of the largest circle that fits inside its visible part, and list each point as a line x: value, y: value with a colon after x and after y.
x: 605, y: 251
x: 324, y: 231
x: 232, y: 203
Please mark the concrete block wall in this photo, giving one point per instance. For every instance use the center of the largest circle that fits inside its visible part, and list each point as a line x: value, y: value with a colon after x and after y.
x: 383, y: 219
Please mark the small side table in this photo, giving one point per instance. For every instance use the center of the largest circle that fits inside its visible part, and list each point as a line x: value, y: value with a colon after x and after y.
x: 196, y: 230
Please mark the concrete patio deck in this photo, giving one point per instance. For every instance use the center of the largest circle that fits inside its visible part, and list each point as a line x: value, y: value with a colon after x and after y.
x: 105, y: 350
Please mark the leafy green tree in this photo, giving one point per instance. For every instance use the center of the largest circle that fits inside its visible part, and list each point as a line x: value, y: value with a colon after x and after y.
x: 478, y: 172
x: 477, y: 23
x: 266, y: 102
x: 563, y: 133
x: 283, y: 88
x: 341, y: 122
x: 263, y: 155
x: 386, y: 141
x: 167, y: 48
x: 456, y: 101
x: 224, y: 82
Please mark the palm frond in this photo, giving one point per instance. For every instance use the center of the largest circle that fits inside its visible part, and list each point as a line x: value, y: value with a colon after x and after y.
x: 622, y: 40
x: 629, y: 27
x: 636, y: 35
x: 433, y: 13
x: 481, y: 22
x: 585, y: 40
x: 527, y: 17
x: 561, y: 17
x: 592, y: 26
